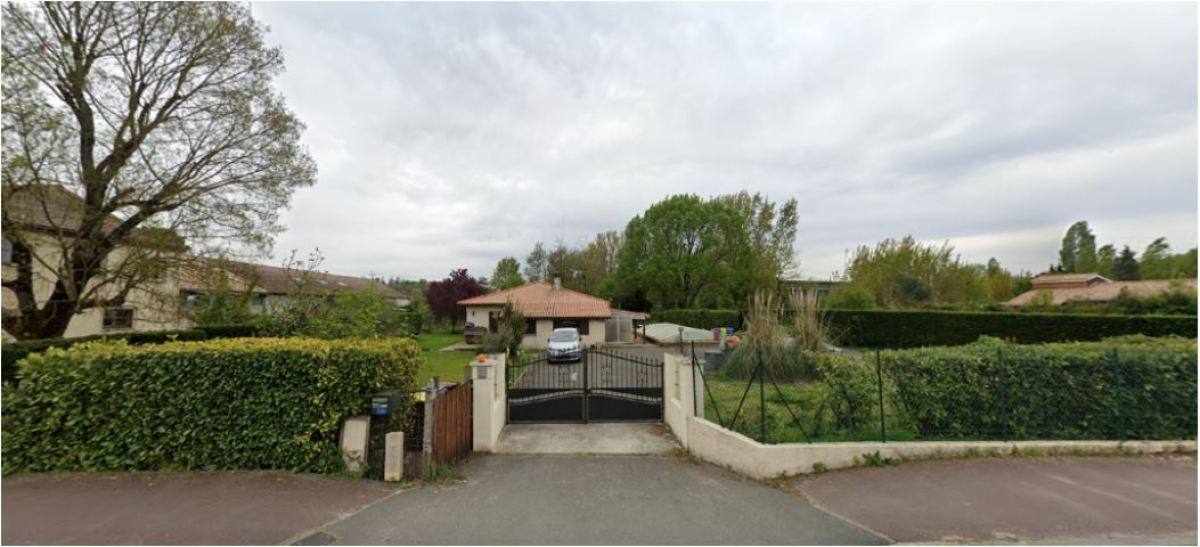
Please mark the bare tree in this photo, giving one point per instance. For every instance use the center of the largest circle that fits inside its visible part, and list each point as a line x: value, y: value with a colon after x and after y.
x: 161, y: 118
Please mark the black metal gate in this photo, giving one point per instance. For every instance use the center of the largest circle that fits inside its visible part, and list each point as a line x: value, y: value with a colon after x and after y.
x: 602, y: 386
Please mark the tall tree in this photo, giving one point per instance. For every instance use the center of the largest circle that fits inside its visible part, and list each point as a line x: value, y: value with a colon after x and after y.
x: 156, y: 115
x: 1106, y: 259
x: 683, y: 252
x: 1125, y: 267
x: 443, y: 296
x: 536, y: 264
x: 771, y: 232
x: 1078, y: 252
x: 1156, y: 261
x: 507, y: 274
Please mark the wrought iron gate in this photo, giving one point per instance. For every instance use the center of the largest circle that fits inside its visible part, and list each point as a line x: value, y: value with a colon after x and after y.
x: 603, y: 386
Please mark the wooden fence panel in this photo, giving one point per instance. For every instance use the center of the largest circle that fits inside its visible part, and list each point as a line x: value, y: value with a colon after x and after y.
x: 452, y: 424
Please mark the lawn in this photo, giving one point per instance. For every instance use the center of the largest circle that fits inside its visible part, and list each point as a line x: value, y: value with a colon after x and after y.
x: 795, y: 412
x: 447, y: 365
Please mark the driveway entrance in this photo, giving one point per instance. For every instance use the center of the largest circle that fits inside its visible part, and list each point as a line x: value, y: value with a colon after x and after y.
x: 613, y: 438
x: 604, y: 385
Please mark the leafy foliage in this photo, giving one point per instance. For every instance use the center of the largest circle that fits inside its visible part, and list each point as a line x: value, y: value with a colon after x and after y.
x: 906, y: 273
x: 906, y: 329
x: 700, y: 319
x: 1103, y: 390
x: 507, y: 274
x: 259, y: 403
x: 849, y: 297
x: 443, y: 296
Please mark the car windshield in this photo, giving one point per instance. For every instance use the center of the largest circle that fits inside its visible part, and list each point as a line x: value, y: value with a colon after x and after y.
x: 564, y: 336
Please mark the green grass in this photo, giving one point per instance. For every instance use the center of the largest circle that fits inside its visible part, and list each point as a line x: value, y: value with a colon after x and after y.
x: 803, y: 399
x: 447, y: 365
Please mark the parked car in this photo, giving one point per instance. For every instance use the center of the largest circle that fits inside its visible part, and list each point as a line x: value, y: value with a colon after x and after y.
x: 564, y: 346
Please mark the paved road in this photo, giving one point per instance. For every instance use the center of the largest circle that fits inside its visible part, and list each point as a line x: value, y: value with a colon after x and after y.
x: 1018, y: 499
x: 175, y: 508
x: 596, y: 500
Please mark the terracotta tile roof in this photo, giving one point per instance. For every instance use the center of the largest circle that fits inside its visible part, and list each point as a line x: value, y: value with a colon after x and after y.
x: 1103, y: 292
x: 539, y: 299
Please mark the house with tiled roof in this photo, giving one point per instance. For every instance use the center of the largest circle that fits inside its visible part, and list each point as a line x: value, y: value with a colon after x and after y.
x: 546, y: 306
x: 1092, y: 288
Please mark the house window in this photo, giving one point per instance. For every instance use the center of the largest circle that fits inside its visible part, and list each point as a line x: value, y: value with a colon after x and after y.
x: 531, y: 326
x: 118, y: 318
x: 8, y: 251
x: 579, y: 324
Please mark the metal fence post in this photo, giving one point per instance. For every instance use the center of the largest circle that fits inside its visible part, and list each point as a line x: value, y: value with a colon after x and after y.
x: 695, y: 397
x: 879, y: 380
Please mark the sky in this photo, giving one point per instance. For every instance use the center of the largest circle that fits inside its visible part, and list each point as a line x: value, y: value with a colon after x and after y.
x: 452, y: 135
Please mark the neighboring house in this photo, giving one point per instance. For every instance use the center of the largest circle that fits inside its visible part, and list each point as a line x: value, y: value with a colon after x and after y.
x: 47, y: 216
x: 273, y: 287
x: 546, y: 306
x: 1091, y: 288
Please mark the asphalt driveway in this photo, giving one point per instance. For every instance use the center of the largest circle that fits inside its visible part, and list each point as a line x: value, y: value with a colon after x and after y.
x: 616, y: 500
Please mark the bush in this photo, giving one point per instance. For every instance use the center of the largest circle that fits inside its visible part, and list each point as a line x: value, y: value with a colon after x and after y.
x: 229, y: 331
x: 992, y: 389
x: 15, y: 351
x: 257, y: 403
x: 849, y: 297
x: 700, y: 319
x: 907, y: 329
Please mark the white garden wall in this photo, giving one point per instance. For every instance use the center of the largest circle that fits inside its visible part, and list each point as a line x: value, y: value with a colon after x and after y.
x: 713, y: 443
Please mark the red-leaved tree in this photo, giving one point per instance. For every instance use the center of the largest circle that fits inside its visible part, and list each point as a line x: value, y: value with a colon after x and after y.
x: 443, y: 296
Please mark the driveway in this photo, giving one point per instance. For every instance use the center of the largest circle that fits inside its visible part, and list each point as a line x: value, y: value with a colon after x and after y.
x: 575, y: 500
x: 175, y: 508
x: 1076, y: 500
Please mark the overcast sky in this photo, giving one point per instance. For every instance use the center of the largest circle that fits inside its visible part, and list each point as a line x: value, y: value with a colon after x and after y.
x: 451, y: 135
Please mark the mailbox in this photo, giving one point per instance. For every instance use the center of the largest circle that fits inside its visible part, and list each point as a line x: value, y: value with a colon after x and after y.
x: 386, y: 403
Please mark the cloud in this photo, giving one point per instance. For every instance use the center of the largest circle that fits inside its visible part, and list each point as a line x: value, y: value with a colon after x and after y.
x: 451, y: 135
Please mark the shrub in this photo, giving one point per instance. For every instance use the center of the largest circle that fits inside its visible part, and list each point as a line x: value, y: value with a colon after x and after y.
x: 257, y: 403
x: 849, y: 297
x: 229, y: 331
x: 700, y: 319
x: 907, y: 329
x: 15, y: 351
x: 992, y: 389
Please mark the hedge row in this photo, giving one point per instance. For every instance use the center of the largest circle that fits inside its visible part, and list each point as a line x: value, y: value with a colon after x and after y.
x: 1096, y: 390
x: 261, y: 403
x: 15, y: 351
x: 700, y: 319
x: 908, y: 329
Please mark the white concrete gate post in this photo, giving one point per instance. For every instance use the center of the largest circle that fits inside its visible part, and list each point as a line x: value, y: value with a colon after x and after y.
x: 490, y: 404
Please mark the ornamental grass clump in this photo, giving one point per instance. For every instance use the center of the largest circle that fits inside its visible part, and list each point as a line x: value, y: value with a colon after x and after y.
x: 261, y: 403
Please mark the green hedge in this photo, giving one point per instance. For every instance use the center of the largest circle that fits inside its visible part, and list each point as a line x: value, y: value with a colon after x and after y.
x: 15, y: 351
x: 261, y: 403
x: 700, y: 319
x: 1096, y: 390
x: 908, y: 329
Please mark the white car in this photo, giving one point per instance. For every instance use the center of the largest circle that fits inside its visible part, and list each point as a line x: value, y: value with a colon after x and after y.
x: 564, y: 345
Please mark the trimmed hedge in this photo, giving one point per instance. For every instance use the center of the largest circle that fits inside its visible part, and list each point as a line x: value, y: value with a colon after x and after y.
x: 259, y: 403
x: 15, y: 351
x: 699, y: 319
x: 908, y: 329
x: 1099, y: 390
